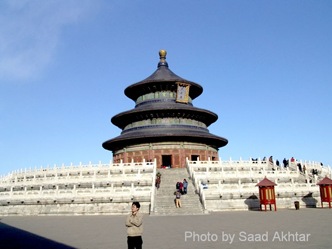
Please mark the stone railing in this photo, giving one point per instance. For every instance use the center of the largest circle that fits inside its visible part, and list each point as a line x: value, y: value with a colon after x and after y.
x: 81, y: 184
x: 203, y: 170
x: 80, y: 172
x: 234, y: 182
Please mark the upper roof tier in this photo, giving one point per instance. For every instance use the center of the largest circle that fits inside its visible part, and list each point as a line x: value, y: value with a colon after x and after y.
x: 164, y: 79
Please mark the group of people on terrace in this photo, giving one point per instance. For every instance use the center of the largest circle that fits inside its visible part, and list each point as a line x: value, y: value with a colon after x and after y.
x: 277, y: 163
x: 286, y: 163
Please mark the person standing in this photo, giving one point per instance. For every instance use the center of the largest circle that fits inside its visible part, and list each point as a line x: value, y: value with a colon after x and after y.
x: 177, y: 186
x: 277, y: 163
x: 285, y: 163
x: 181, y: 187
x: 185, y: 186
x: 134, y: 224
x: 271, y: 160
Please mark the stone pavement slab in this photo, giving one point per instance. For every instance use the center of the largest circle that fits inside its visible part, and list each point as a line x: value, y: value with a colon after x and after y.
x: 304, y: 228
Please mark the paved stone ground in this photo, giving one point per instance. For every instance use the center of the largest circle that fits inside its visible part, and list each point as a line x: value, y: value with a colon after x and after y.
x: 282, y: 229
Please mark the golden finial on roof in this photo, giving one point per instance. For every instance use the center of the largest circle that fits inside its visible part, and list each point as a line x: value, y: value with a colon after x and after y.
x: 162, y: 55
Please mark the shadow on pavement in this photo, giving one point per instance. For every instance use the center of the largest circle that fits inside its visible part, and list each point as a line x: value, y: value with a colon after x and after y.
x: 14, y: 238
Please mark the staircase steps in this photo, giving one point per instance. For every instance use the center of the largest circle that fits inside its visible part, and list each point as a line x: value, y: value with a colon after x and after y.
x: 164, y: 198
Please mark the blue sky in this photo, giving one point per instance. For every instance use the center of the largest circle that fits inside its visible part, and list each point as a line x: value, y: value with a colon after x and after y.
x: 265, y: 67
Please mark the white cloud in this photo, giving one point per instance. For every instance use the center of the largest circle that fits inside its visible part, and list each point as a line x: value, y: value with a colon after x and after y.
x: 30, y: 31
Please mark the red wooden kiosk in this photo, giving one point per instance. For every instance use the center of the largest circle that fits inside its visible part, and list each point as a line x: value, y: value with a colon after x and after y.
x: 267, y: 194
x: 325, y: 189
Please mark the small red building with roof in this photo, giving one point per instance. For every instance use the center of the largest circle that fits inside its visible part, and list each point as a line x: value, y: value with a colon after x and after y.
x: 266, y: 193
x: 325, y: 189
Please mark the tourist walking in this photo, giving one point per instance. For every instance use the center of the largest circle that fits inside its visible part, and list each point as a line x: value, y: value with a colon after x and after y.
x: 158, y: 181
x: 178, y: 199
x: 134, y: 224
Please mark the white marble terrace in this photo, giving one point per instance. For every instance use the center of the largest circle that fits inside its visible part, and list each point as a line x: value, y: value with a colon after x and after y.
x: 227, y: 185
x: 110, y: 188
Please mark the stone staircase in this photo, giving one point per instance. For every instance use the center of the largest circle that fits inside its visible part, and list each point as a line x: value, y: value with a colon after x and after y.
x: 164, y: 198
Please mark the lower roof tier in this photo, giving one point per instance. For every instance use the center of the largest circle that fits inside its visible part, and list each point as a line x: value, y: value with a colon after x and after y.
x: 164, y: 135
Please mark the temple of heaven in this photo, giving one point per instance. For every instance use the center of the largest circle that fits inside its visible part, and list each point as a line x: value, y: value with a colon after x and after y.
x: 164, y: 125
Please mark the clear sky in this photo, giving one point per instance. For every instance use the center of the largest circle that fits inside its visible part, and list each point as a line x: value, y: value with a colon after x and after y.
x: 265, y: 67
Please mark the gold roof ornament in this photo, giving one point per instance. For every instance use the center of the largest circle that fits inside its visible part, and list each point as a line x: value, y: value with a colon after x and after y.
x: 162, y: 55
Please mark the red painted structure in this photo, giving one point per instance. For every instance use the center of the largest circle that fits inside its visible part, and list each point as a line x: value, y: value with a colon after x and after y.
x: 325, y: 189
x: 266, y: 193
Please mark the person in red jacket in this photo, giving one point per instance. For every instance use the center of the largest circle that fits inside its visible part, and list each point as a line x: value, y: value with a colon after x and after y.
x: 181, y: 187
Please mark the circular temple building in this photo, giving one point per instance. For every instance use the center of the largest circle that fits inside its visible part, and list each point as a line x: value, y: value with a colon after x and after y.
x: 164, y: 125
